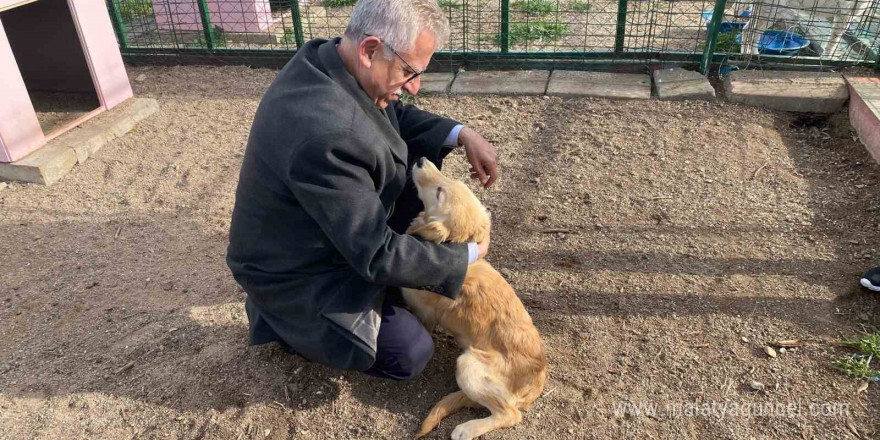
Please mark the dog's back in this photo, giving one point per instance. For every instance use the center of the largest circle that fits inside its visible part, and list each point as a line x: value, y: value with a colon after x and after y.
x: 492, y: 318
x: 503, y: 367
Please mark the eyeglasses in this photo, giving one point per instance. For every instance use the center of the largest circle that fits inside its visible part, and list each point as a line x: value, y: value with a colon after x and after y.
x: 414, y: 73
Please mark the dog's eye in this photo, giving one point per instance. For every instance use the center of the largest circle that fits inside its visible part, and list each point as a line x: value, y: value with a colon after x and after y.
x: 439, y: 191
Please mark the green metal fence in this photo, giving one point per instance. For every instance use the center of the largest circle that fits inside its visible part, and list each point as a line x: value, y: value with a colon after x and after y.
x: 502, y: 34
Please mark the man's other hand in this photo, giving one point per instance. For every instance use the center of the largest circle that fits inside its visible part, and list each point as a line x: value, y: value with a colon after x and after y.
x: 482, y: 156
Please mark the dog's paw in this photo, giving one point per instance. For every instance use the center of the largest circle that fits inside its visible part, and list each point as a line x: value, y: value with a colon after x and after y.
x: 463, y: 432
x: 432, y: 231
x: 417, y: 223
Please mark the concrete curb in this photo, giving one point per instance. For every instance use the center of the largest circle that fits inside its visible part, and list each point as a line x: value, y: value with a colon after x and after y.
x: 599, y: 85
x: 812, y: 92
x: 437, y: 82
x: 521, y: 82
x: 50, y: 163
x: 675, y: 84
x: 864, y: 111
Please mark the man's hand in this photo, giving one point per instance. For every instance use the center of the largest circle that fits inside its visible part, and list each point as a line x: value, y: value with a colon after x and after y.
x: 482, y: 156
x: 483, y: 246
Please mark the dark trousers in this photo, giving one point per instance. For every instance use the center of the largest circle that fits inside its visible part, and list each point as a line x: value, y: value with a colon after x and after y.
x: 403, y: 346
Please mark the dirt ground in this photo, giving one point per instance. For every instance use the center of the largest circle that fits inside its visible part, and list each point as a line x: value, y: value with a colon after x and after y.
x: 54, y: 110
x: 657, y: 245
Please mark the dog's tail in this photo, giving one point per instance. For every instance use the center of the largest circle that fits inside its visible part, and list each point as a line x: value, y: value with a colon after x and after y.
x: 445, y: 407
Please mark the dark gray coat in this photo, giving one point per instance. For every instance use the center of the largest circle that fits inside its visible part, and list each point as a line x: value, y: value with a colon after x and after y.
x: 309, y: 241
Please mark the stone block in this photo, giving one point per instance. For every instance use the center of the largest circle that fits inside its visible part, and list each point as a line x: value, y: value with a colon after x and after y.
x: 680, y: 84
x: 599, y: 85
x: 521, y: 82
x: 809, y: 92
x: 436, y: 82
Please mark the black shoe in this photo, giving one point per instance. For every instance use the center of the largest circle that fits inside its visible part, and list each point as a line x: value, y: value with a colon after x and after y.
x: 871, y: 279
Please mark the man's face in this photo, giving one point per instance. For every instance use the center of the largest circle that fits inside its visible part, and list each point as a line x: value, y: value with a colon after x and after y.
x: 386, y: 78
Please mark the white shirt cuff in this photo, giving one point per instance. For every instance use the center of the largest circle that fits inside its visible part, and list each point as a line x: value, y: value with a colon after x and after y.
x: 473, y: 252
x: 452, y: 139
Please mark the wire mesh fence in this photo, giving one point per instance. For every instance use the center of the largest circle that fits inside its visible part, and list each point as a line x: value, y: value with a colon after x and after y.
x: 517, y: 33
x: 834, y: 31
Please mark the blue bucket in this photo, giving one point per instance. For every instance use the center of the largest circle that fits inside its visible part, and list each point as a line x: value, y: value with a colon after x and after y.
x: 726, y: 26
x: 775, y: 42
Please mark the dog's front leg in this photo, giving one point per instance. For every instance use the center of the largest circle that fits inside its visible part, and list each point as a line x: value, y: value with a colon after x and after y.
x: 420, y: 303
x: 417, y: 222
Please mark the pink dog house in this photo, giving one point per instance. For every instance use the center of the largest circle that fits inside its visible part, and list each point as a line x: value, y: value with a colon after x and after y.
x: 229, y: 15
x: 54, y: 46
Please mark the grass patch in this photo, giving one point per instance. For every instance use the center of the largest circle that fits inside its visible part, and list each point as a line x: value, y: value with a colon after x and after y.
x: 494, y: 39
x: 539, y: 30
x: 868, y: 345
x: 727, y: 43
x: 534, y: 7
x: 536, y: 31
x: 289, y: 36
x: 219, y: 37
x: 857, y: 367
x: 339, y: 3
x: 449, y: 4
x: 407, y: 99
x: 132, y: 9
x: 579, y: 6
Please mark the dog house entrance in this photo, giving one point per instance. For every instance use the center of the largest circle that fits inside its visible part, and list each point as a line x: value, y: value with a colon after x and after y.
x: 50, y: 57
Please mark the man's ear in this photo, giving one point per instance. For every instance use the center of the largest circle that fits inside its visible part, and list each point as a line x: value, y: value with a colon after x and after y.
x: 432, y: 231
x: 367, y: 50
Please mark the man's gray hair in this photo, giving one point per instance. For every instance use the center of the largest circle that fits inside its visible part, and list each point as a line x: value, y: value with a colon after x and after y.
x: 398, y: 22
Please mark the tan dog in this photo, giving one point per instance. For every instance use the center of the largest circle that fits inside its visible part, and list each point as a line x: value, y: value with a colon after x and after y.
x: 503, y: 367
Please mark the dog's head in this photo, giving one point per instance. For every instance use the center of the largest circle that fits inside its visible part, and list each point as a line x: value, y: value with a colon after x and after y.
x: 452, y: 212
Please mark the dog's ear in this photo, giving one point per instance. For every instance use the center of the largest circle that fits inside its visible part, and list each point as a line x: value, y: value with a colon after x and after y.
x: 433, y: 231
x: 441, y: 196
